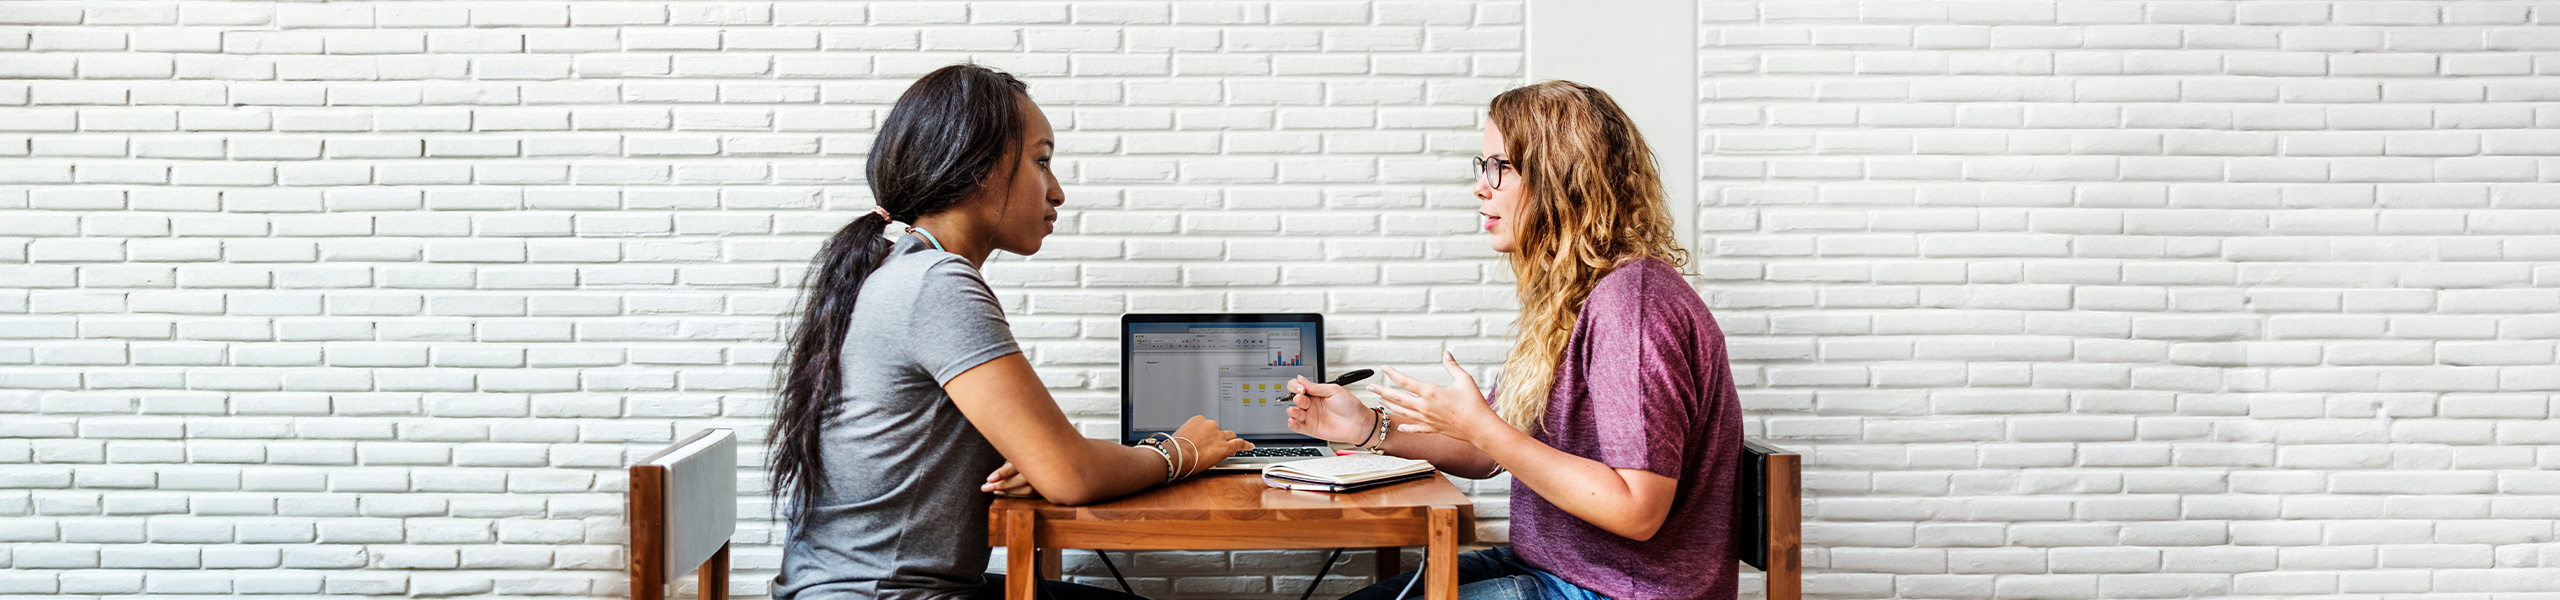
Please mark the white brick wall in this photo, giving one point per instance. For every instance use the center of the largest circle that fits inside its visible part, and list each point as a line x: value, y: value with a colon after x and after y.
x: 2146, y: 299
x: 378, y: 297
x: 2064, y: 299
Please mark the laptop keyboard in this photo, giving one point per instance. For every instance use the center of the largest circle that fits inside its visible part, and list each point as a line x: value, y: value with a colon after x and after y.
x: 1284, y: 451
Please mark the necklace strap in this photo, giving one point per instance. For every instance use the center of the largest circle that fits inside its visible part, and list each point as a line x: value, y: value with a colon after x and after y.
x: 928, y: 237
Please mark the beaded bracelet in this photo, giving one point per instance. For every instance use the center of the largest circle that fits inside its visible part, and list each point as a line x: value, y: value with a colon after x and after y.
x: 1386, y: 423
x: 1168, y: 461
x: 1374, y: 415
x: 1156, y: 443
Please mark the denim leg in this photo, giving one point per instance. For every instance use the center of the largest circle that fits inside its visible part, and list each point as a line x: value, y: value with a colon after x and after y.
x: 1480, y: 565
x: 1516, y: 587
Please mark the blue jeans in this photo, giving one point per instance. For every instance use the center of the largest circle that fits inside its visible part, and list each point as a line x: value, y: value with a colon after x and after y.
x: 1489, y: 574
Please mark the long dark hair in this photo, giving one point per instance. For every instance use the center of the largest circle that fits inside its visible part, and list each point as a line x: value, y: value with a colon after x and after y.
x: 950, y: 131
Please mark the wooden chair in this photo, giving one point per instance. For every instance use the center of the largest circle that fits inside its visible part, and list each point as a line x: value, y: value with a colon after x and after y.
x: 1770, y: 515
x: 683, y: 509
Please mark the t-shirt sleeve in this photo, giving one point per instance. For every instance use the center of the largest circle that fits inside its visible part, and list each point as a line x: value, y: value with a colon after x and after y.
x: 1642, y: 383
x: 956, y: 323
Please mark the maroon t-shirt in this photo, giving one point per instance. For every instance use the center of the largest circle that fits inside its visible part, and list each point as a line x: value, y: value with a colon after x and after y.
x: 1643, y: 385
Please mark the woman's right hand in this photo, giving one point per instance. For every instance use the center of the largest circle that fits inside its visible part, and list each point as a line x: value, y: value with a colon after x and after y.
x: 1208, y: 444
x: 1328, y: 412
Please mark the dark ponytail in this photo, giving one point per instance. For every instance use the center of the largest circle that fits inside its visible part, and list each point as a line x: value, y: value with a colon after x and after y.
x: 950, y: 131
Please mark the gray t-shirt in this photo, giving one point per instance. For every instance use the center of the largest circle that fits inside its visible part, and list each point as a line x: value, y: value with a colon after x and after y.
x: 903, y: 517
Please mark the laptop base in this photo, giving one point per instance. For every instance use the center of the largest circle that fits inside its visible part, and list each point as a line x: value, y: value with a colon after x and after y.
x: 1254, y: 460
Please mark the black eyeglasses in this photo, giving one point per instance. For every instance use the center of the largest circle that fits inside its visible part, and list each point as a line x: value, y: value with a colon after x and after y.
x: 1489, y: 171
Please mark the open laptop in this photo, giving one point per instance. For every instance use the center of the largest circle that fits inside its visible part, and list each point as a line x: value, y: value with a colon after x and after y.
x: 1234, y: 368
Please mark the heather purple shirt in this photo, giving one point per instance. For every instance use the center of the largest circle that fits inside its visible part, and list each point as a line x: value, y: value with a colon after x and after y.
x: 1643, y: 385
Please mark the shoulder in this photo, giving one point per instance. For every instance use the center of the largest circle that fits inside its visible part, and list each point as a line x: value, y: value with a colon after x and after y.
x: 931, y: 272
x: 946, y: 283
x: 954, y: 311
x: 929, y: 285
x: 1648, y: 299
x: 1642, y: 286
x: 946, y: 269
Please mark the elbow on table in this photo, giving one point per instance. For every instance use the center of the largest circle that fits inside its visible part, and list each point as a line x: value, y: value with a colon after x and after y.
x: 1080, y: 499
x: 1073, y: 496
x: 1071, y: 489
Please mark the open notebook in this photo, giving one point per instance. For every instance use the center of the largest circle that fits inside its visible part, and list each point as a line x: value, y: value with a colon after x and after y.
x: 1344, y: 473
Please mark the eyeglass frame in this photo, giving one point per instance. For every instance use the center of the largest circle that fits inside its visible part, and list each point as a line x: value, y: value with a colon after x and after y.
x: 1492, y: 178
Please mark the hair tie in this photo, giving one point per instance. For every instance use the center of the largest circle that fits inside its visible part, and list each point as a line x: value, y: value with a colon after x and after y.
x: 883, y: 212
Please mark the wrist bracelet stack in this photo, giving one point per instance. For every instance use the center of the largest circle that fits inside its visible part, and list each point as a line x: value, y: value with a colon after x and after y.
x: 1156, y: 442
x: 1373, y: 430
x: 1184, y: 448
x: 1378, y: 433
x: 1386, y: 424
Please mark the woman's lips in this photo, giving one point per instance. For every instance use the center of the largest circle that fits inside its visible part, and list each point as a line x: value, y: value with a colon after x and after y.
x: 1490, y: 220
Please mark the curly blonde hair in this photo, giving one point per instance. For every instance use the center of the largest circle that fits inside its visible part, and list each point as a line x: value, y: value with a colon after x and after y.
x: 1592, y: 201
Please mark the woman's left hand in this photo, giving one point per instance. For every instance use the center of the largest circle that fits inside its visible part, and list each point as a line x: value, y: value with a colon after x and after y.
x: 1008, y: 482
x: 1457, y: 410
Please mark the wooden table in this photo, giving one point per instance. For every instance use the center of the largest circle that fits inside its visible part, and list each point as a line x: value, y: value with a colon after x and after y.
x: 1238, y: 512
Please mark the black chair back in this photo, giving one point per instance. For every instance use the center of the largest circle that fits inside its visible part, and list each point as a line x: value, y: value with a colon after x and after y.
x: 1769, y: 516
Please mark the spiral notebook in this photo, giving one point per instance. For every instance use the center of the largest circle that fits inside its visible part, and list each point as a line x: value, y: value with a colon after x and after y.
x: 1344, y: 473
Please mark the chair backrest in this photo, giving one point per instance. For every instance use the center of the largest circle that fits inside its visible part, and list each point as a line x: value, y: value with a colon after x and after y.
x: 1769, y: 516
x: 683, y: 510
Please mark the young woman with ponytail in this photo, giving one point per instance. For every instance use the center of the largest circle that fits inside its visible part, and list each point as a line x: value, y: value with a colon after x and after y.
x: 1616, y: 415
x: 906, y: 406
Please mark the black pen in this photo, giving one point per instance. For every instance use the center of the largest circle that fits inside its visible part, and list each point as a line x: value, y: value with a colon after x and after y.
x: 1347, y: 379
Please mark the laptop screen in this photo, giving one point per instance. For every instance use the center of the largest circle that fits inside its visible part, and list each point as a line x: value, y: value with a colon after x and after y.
x: 1232, y: 368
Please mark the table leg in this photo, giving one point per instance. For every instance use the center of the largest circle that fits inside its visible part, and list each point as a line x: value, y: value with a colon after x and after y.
x: 1052, y: 564
x: 1390, y: 561
x: 1440, y: 559
x: 1021, y: 557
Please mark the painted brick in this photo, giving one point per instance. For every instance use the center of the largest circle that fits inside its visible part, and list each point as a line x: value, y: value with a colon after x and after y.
x: 2064, y: 300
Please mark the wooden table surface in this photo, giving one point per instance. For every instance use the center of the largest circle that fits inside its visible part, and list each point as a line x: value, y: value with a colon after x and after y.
x: 1238, y: 512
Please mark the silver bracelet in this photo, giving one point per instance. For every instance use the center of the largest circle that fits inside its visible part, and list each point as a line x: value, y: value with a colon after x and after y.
x: 1386, y: 423
x: 1168, y: 461
x: 1156, y: 443
x: 1187, y: 450
x: 1374, y: 415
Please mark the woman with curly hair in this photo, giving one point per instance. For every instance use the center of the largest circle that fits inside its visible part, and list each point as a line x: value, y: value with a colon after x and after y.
x: 1616, y: 414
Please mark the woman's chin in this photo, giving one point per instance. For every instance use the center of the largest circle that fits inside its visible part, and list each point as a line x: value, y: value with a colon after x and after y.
x: 1025, y: 243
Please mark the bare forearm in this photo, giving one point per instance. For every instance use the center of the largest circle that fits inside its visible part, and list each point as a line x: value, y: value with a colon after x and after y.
x: 1109, y: 471
x: 1013, y: 410
x: 1582, y: 487
x: 1474, y: 440
x: 1445, y: 453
